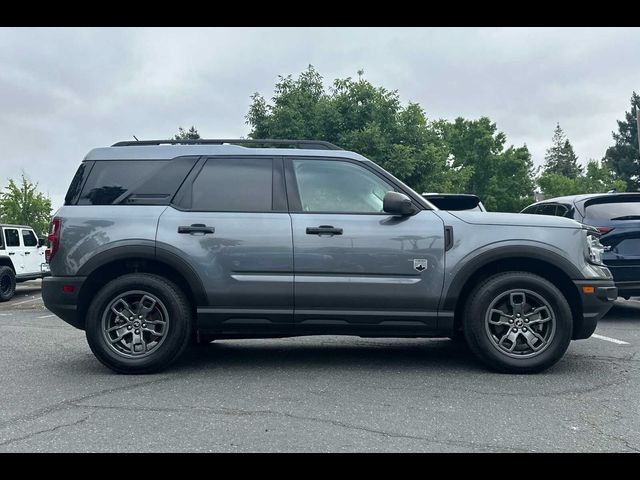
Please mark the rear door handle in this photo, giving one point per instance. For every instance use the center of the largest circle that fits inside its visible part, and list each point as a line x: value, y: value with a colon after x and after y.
x: 196, y: 228
x: 27, y: 253
x: 324, y: 230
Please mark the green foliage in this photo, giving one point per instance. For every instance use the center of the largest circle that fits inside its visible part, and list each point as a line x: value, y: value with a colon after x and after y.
x: 560, y: 157
x: 463, y: 156
x: 23, y: 204
x: 623, y: 158
x: 191, y: 134
x: 597, y: 179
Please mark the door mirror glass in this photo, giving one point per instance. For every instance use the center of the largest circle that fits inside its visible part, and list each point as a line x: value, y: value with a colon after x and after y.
x: 397, y: 203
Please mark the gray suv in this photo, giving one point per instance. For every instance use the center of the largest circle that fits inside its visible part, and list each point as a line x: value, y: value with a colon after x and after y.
x: 163, y: 243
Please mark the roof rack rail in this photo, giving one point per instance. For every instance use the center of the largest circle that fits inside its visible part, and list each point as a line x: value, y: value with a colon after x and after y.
x: 309, y: 144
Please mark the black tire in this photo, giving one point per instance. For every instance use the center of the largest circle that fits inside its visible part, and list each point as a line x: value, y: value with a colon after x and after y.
x: 7, y: 283
x: 171, y: 305
x: 514, y: 292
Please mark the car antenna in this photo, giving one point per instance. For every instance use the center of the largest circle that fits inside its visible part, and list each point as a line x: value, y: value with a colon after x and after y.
x: 135, y: 138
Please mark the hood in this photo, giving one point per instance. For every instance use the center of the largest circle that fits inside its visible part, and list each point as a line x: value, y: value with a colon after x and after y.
x: 519, y: 219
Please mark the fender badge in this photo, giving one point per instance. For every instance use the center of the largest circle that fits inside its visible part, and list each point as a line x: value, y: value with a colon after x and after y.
x: 420, y: 264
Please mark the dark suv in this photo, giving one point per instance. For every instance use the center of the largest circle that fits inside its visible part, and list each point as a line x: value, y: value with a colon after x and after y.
x: 161, y: 243
x: 617, y: 218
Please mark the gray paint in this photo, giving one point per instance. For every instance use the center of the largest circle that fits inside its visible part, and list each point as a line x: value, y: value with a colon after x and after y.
x: 263, y: 269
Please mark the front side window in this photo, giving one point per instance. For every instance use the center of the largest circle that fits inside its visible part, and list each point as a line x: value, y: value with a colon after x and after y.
x: 338, y: 187
x: 29, y: 239
x: 234, y: 185
x: 12, y: 238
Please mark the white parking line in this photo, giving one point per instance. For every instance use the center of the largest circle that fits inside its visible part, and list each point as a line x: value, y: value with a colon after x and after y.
x: 609, y: 339
x: 26, y: 301
x: 47, y: 316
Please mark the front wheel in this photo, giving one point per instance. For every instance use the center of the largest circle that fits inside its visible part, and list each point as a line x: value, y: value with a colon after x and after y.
x: 138, y: 323
x: 518, y: 322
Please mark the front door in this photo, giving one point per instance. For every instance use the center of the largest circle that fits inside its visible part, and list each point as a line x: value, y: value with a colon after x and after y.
x: 232, y: 227
x: 355, y: 264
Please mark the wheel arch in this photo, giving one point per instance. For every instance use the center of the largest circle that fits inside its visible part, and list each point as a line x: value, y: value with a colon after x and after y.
x: 121, y: 260
x: 547, y: 265
x: 6, y: 262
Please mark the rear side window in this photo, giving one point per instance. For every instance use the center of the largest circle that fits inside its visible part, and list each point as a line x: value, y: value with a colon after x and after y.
x: 234, y: 185
x: 29, y: 239
x: 12, y: 238
x: 141, y: 182
x: 612, y: 210
x: 531, y: 210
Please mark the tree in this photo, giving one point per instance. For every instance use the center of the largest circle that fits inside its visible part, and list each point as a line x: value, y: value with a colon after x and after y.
x: 560, y: 157
x: 502, y: 178
x: 356, y: 115
x: 23, y: 204
x: 597, y: 179
x: 623, y: 158
x: 191, y: 134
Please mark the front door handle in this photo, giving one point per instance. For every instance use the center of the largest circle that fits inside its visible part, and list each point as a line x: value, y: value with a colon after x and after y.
x: 196, y: 228
x: 27, y: 253
x: 324, y: 230
x: 12, y: 253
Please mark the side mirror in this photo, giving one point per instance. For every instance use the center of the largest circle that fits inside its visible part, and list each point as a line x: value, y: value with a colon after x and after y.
x: 41, y: 242
x: 397, y: 203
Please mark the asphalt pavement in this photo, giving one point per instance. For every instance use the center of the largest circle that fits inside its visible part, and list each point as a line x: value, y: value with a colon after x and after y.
x: 314, y: 394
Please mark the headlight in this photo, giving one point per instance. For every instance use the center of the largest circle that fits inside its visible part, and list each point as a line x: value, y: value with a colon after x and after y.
x: 593, y: 249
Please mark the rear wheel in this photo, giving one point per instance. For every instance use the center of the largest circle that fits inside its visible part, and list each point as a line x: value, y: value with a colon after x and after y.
x: 7, y: 283
x: 518, y: 322
x: 138, y: 323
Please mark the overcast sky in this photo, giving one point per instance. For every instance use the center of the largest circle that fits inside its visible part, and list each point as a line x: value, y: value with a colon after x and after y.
x: 65, y: 91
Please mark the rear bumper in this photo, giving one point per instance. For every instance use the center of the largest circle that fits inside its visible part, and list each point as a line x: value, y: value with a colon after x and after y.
x: 594, y: 305
x: 63, y: 303
x: 628, y: 289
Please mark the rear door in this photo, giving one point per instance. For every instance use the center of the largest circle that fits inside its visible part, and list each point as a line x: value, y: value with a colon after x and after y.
x: 355, y: 264
x: 32, y: 259
x: 229, y: 222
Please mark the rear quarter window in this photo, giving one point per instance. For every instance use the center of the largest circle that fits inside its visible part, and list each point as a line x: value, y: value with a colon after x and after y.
x: 141, y: 182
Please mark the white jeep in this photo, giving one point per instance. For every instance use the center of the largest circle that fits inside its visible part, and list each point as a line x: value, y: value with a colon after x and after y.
x: 22, y: 258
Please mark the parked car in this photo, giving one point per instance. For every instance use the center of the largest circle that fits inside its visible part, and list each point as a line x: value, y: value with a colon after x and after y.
x: 22, y: 258
x: 161, y: 242
x: 455, y: 201
x: 617, y: 218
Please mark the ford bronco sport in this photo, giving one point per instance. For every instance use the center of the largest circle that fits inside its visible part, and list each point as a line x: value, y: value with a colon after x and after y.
x: 163, y: 242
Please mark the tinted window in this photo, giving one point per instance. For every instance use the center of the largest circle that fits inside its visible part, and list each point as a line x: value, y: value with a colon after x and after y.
x: 564, y: 210
x: 29, y: 239
x: 134, y: 181
x: 628, y: 247
x: 11, y: 236
x: 460, y: 202
x: 547, y: 209
x: 341, y: 187
x: 531, y: 210
x: 76, y: 184
x: 234, y: 185
x: 613, y: 211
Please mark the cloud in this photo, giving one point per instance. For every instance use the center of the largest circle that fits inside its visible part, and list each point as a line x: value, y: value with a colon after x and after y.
x: 65, y: 91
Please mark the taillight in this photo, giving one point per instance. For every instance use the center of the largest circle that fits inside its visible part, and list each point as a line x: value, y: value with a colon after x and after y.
x: 54, y: 239
x: 604, y: 230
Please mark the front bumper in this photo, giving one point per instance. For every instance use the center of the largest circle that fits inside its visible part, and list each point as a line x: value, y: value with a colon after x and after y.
x: 597, y: 298
x: 60, y: 296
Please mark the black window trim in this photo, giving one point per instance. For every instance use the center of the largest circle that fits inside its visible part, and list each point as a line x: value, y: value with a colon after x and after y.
x: 295, y: 205
x: 5, y: 237
x: 183, y: 199
x: 24, y: 244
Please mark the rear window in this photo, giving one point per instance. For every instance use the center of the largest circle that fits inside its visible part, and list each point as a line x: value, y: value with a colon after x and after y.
x: 455, y: 202
x: 142, y: 182
x: 610, y: 209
